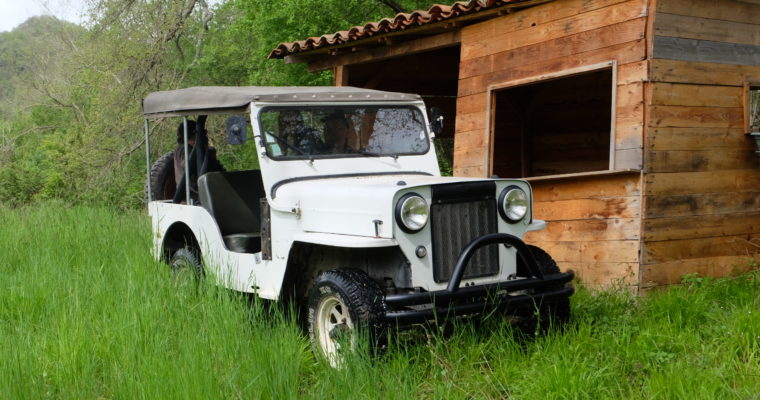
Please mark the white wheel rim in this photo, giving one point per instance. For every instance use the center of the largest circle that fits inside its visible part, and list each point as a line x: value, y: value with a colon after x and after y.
x: 333, y: 320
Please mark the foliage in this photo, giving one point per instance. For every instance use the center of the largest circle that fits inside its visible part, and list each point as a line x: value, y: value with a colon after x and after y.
x: 444, y: 148
x: 86, y: 313
x: 70, y: 97
x: 263, y: 24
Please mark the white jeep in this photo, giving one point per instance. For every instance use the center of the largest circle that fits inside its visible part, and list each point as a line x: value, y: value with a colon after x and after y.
x: 348, y: 215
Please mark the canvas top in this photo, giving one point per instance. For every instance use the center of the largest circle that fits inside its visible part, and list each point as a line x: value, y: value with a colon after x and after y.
x: 216, y: 99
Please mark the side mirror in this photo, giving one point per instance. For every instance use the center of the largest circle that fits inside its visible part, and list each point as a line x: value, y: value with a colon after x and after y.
x: 436, y: 120
x: 236, y: 127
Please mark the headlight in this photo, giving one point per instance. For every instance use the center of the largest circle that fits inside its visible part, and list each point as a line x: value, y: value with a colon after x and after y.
x: 514, y: 204
x: 412, y: 212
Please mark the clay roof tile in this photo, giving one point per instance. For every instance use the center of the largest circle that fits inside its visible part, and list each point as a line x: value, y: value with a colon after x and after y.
x: 401, y: 21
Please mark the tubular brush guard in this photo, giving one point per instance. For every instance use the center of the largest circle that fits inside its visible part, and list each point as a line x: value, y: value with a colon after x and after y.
x: 454, y: 300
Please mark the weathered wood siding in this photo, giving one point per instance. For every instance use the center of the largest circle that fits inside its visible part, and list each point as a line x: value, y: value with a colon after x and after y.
x: 593, y: 226
x: 593, y: 222
x: 702, y: 182
x: 547, y: 39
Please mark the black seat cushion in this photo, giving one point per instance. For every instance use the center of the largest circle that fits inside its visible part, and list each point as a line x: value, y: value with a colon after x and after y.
x: 232, y: 198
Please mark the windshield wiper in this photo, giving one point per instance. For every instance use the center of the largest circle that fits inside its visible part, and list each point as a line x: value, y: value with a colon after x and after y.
x: 374, y: 154
x: 290, y: 146
x: 370, y: 153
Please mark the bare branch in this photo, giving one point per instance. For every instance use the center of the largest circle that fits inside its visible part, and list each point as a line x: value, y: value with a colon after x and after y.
x: 206, y: 17
x: 45, y: 91
x: 393, y: 5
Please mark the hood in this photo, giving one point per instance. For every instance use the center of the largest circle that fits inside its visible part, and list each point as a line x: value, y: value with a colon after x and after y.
x: 351, y: 205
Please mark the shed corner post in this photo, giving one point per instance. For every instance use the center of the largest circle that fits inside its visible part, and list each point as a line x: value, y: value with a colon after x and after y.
x: 340, y: 75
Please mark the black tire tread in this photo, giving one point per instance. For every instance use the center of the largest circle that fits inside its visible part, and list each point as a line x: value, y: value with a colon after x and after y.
x: 189, y: 255
x: 552, y: 313
x: 159, y: 173
x: 364, y: 298
x: 163, y: 169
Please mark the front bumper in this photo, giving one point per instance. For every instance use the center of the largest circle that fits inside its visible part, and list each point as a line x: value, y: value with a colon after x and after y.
x: 410, y: 308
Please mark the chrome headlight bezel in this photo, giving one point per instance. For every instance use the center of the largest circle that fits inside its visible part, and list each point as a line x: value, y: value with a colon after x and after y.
x: 409, y: 206
x: 514, y: 204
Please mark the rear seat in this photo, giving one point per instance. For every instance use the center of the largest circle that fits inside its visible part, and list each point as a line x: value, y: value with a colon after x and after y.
x: 232, y: 198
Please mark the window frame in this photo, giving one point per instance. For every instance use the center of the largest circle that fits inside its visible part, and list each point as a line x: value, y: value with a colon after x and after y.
x: 749, y: 85
x: 491, y: 115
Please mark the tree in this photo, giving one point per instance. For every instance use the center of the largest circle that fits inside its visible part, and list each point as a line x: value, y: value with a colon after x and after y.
x: 71, y: 96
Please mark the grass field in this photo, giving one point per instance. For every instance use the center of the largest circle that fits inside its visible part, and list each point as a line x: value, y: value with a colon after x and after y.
x: 85, y: 313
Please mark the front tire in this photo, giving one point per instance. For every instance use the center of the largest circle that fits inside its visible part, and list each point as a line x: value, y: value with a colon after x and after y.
x: 342, y: 305
x: 548, y: 314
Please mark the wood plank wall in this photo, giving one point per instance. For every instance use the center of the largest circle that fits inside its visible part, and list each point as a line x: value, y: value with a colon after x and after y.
x: 593, y: 222
x: 702, y: 183
x: 593, y: 226
x: 547, y: 39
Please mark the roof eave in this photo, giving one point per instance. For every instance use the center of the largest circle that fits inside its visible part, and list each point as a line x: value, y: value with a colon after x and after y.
x: 389, y: 38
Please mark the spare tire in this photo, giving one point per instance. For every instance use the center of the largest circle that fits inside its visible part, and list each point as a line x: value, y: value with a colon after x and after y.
x: 162, y: 184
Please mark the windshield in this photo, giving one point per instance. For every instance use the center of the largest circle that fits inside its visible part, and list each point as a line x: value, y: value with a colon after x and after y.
x: 330, y: 131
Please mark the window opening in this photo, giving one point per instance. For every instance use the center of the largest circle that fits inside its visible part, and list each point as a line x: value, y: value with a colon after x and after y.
x: 754, y: 109
x: 554, y: 127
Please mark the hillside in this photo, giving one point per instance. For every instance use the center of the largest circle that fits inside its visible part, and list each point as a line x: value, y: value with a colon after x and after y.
x: 27, y: 52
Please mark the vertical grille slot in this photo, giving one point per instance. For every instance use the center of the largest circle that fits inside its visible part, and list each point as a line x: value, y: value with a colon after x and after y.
x: 460, y: 213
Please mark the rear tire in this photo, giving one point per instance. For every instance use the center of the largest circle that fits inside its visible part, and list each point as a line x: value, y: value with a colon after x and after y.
x: 342, y: 305
x: 185, y: 266
x: 163, y: 186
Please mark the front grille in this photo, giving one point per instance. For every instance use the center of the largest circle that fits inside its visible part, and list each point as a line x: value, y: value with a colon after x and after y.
x: 460, y: 213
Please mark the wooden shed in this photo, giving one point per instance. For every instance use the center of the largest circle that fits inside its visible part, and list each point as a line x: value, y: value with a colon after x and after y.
x: 628, y: 117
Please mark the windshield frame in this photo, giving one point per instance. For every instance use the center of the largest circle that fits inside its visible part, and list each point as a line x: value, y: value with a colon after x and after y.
x: 302, y: 107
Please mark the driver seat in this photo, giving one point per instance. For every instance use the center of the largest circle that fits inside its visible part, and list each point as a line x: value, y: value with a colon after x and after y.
x: 232, y: 199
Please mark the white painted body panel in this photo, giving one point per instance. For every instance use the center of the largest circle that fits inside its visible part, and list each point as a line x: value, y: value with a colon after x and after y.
x: 237, y: 271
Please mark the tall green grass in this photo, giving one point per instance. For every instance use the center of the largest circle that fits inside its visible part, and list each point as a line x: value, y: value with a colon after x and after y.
x: 86, y: 313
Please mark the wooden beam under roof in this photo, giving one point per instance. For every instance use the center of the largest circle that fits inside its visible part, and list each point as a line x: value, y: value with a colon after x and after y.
x: 424, y: 44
